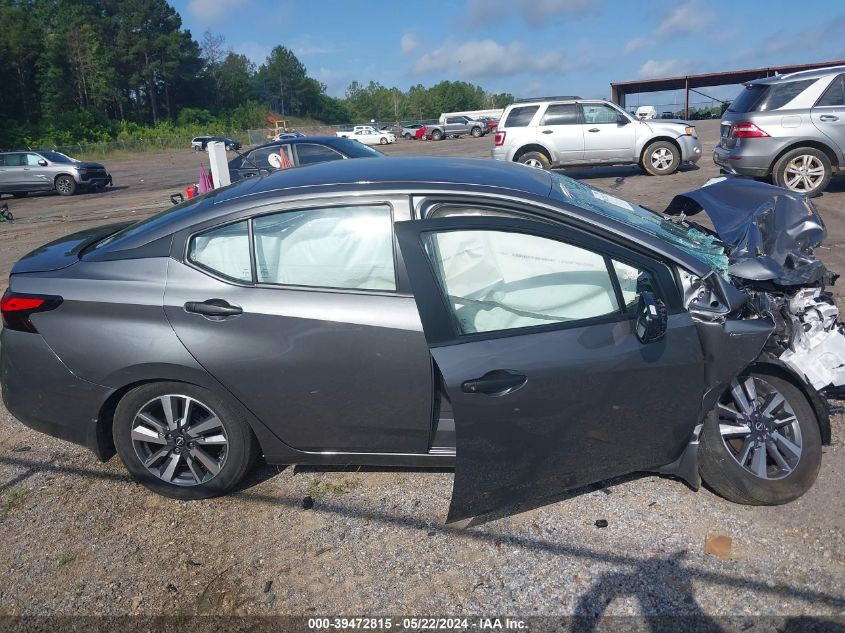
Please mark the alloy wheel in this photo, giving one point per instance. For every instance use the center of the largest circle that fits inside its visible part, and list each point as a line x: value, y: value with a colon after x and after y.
x: 804, y: 173
x: 662, y: 158
x: 180, y: 440
x: 759, y: 428
x: 63, y: 185
x: 533, y: 162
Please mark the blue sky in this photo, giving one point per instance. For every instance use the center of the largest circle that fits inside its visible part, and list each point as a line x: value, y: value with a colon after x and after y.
x: 525, y: 47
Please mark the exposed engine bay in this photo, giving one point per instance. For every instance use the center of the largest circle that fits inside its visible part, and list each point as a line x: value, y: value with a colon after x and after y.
x: 773, y: 277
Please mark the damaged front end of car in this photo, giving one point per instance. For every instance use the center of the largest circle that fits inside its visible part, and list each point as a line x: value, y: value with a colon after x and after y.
x: 772, y: 303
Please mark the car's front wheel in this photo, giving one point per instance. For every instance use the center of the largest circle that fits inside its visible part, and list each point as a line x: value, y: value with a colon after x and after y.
x: 65, y: 185
x: 661, y: 158
x: 407, y: 136
x: 382, y: 141
x: 183, y: 441
x: 476, y: 132
x: 761, y: 445
x: 804, y: 170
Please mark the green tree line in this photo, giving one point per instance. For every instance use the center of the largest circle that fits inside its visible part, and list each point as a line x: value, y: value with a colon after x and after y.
x: 79, y: 71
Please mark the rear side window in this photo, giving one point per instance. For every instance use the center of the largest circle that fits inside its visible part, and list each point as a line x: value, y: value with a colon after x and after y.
x: 340, y: 247
x: 310, y: 153
x: 561, y: 114
x: 835, y: 93
x: 521, y: 117
x: 763, y: 97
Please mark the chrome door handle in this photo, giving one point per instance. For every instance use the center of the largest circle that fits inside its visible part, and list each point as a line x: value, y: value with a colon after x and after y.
x: 548, y: 131
x: 828, y: 117
x: 594, y: 129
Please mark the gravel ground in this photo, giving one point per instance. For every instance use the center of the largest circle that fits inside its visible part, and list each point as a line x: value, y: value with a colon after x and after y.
x: 80, y: 538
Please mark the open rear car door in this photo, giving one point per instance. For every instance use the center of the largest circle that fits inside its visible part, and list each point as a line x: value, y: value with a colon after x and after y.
x: 533, y: 328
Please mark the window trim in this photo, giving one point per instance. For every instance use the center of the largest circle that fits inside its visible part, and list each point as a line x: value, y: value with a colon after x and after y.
x: 579, y: 115
x: 185, y: 259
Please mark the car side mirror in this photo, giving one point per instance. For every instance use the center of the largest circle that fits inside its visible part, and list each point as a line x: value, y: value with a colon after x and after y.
x: 621, y: 119
x: 42, y: 163
x: 652, y: 318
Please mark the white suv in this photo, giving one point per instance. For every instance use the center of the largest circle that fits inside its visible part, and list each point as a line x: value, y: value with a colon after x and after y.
x: 569, y: 131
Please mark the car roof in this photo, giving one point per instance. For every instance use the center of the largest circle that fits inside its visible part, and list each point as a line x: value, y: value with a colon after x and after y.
x: 799, y: 76
x: 294, y: 140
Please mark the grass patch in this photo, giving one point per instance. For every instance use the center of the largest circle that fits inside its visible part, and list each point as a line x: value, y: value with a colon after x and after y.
x: 318, y: 488
x: 102, y: 527
x: 64, y: 558
x: 15, y: 496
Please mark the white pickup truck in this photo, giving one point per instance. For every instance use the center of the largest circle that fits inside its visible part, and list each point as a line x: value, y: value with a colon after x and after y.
x: 368, y: 135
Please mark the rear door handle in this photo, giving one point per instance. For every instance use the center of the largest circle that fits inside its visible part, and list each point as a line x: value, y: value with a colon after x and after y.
x: 594, y: 129
x: 213, y: 308
x: 548, y: 131
x: 498, y: 382
x: 828, y: 117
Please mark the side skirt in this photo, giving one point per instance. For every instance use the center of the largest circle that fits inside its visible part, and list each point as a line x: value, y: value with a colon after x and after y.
x: 686, y: 466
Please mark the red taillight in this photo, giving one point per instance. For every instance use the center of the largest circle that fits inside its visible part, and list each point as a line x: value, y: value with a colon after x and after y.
x: 16, y: 309
x: 500, y: 138
x: 746, y: 129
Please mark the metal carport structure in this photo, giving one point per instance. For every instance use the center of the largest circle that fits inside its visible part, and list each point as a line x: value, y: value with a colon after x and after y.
x: 620, y: 89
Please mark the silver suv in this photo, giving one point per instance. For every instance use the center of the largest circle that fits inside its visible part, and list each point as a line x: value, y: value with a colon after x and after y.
x: 26, y: 171
x: 568, y: 131
x: 790, y: 127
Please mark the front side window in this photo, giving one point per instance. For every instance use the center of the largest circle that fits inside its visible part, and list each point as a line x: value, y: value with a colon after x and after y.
x: 32, y: 160
x: 599, y: 113
x: 521, y: 117
x: 633, y: 281
x: 499, y: 280
x: 223, y: 250
x: 340, y: 247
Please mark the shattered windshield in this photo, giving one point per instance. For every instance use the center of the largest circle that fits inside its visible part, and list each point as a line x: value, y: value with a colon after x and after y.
x: 698, y: 243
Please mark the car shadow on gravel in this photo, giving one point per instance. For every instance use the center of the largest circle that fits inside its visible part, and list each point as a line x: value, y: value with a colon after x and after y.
x: 615, y: 171
x: 663, y: 584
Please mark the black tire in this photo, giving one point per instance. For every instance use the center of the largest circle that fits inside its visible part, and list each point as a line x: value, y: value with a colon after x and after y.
x: 661, y: 158
x: 538, y: 160
x: 240, y: 451
x: 722, y: 471
x: 382, y: 141
x: 476, y: 131
x: 65, y: 185
x: 786, y: 174
x: 407, y: 136
x: 20, y: 194
x: 437, y: 135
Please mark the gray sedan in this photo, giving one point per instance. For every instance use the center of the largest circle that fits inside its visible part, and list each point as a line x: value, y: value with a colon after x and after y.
x: 535, y: 332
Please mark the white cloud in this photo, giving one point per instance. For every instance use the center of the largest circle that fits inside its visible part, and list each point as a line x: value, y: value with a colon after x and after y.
x: 409, y: 42
x: 665, y: 68
x: 689, y: 17
x: 488, y: 58
x: 636, y: 44
x: 335, y: 81
x: 212, y: 11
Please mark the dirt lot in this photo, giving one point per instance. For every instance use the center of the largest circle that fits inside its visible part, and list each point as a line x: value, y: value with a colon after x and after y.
x: 78, y: 537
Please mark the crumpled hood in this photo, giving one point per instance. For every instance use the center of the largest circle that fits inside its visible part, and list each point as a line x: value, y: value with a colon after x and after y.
x: 769, y: 232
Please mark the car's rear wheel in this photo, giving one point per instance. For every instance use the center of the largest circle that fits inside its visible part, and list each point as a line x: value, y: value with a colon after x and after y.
x: 407, y: 136
x: 661, y: 158
x: 183, y: 441
x: 761, y: 444
x: 804, y: 170
x: 476, y: 132
x: 382, y: 141
x: 65, y: 185
x: 537, y: 160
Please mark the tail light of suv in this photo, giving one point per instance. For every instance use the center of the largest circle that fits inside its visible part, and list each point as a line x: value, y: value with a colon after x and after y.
x: 500, y: 138
x: 746, y: 129
x: 16, y: 309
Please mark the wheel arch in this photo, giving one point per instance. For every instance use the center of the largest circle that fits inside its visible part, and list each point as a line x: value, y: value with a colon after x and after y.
x: 101, y: 442
x: 812, y: 143
x: 64, y: 173
x: 648, y: 142
x: 532, y: 147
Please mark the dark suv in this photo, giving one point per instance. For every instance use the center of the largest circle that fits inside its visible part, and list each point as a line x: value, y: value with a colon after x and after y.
x: 40, y: 170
